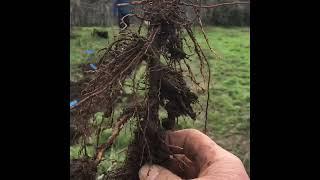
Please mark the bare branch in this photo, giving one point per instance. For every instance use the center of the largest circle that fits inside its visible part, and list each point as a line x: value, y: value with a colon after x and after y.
x: 115, y: 132
x: 132, y: 3
x: 214, y: 5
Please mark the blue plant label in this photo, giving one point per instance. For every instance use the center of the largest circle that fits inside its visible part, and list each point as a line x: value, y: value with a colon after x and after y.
x: 73, y: 103
x: 89, y: 51
x: 93, y: 66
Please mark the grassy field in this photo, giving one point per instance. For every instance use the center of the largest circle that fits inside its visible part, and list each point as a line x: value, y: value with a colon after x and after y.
x: 229, y: 109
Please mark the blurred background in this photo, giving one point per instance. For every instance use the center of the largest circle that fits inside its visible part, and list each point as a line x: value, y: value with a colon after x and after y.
x: 228, y: 31
x: 99, y: 13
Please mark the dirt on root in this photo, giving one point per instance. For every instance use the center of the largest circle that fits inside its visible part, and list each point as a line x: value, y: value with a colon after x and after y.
x: 83, y: 169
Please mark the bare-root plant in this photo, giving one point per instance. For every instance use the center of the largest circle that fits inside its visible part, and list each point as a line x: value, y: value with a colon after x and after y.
x: 162, y: 50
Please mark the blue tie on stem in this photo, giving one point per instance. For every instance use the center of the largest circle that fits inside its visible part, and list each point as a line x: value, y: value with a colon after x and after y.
x: 94, y: 67
x: 73, y: 103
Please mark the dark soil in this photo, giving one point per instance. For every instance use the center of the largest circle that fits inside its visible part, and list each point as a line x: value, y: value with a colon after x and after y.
x: 82, y: 169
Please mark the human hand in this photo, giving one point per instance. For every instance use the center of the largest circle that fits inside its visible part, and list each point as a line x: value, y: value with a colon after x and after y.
x: 198, y: 157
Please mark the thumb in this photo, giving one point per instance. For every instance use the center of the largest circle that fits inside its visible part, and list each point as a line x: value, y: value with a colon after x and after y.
x: 155, y: 172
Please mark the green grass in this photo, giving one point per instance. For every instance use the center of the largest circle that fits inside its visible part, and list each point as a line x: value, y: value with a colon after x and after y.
x: 229, y: 109
x: 229, y: 118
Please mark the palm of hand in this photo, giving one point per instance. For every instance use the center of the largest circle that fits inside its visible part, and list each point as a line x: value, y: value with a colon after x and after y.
x: 199, y: 157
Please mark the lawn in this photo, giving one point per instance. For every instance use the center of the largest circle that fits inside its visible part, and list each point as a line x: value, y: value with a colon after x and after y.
x: 229, y: 107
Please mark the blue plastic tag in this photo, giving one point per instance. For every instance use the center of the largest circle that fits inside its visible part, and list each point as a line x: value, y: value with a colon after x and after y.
x: 93, y: 66
x: 89, y: 51
x: 73, y: 103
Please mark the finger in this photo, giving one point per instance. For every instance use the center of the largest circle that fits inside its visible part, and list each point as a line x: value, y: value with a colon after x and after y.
x: 209, y: 159
x: 182, y: 166
x: 155, y: 172
x: 225, y: 168
x: 198, y: 147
